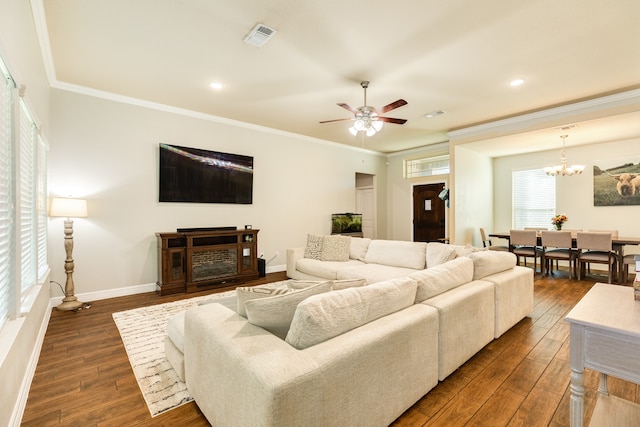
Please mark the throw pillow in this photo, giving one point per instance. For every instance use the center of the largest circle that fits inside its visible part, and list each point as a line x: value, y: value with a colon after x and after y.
x: 335, y: 248
x: 313, y: 249
x: 467, y: 249
x: 337, y: 284
x: 348, y: 283
x: 248, y: 293
x: 358, y: 248
x: 275, y: 313
x: 439, y: 253
x: 321, y: 317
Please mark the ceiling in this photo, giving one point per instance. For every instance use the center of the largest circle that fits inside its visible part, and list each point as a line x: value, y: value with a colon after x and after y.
x: 456, y: 56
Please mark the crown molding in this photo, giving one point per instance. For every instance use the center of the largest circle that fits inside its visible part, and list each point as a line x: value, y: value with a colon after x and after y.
x: 597, y: 107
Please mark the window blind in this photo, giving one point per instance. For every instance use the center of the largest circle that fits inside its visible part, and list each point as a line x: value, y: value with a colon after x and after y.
x: 7, y: 295
x: 28, y: 236
x: 533, y: 198
x: 41, y: 207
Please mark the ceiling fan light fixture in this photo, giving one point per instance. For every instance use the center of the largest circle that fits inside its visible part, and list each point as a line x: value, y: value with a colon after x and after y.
x: 377, y: 125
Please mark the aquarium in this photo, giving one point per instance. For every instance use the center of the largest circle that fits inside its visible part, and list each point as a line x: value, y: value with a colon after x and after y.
x: 346, y: 223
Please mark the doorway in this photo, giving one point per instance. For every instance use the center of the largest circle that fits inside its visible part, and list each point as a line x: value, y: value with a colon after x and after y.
x: 366, y: 203
x: 429, y: 219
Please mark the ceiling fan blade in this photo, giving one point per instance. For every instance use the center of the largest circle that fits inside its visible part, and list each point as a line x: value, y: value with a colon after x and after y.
x: 396, y: 104
x: 335, y: 120
x: 348, y: 107
x: 392, y: 120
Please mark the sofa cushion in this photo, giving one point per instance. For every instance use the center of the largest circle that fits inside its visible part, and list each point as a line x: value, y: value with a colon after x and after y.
x: 397, y: 253
x: 337, y: 284
x: 358, y: 248
x: 373, y: 273
x: 248, y: 293
x: 175, y: 330
x: 321, y: 317
x: 335, y: 248
x: 441, y: 278
x: 486, y: 263
x: 439, y: 253
x: 275, y: 313
x: 324, y: 269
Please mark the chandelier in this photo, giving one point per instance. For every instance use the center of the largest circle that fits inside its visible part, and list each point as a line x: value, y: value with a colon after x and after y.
x: 366, y: 120
x: 562, y: 169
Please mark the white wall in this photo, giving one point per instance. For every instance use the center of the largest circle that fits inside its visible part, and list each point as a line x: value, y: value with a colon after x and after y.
x: 471, y: 196
x: 574, y: 194
x: 107, y: 152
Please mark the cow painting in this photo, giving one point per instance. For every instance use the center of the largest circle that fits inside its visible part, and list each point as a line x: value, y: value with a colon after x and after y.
x: 616, y: 185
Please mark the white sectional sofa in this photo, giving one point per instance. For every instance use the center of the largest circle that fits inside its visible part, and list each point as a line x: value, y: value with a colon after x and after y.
x: 360, y: 355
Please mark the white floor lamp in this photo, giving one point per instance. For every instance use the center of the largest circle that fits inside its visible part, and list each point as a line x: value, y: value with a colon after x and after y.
x: 69, y: 208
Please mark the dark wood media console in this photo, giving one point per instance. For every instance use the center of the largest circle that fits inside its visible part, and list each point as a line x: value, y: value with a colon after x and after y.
x: 198, y: 260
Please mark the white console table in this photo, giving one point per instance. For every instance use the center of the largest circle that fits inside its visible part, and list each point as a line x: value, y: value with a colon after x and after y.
x: 605, y: 337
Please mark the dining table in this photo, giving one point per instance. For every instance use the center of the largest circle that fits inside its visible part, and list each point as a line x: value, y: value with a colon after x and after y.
x: 617, y: 245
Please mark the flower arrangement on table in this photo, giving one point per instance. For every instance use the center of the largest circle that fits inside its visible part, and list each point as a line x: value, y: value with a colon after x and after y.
x: 558, y: 220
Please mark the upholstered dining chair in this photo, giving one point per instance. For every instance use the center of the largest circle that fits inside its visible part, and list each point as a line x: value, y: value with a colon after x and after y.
x: 524, y: 243
x: 596, y: 247
x: 628, y: 259
x: 614, y: 235
x: 557, y: 245
x: 486, y: 242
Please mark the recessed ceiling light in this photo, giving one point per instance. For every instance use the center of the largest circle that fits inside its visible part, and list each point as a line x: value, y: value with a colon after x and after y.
x: 516, y: 82
x: 433, y: 114
x: 215, y: 85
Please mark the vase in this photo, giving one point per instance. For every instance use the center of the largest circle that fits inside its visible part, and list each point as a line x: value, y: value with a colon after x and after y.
x: 558, y: 227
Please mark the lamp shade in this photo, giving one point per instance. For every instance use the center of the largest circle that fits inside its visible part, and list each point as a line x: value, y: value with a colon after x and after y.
x: 69, y: 208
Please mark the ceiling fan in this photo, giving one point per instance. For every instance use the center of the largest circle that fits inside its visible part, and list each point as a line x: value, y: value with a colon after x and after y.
x: 367, y: 118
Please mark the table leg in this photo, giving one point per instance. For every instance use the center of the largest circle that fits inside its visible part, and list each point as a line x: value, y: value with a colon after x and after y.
x: 603, y: 388
x: 577, y: 397
x: 619, y: 250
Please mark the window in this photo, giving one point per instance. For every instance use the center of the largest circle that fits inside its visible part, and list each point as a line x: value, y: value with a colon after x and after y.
x: 428, y: 166
x: 533, y: 198
x: 23, y: 200
x: 7, y: 299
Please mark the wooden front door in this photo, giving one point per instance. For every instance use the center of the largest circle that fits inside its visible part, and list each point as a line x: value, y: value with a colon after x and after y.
x: 428, y: 213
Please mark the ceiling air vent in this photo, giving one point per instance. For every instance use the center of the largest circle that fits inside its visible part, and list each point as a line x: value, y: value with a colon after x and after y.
x: 259, y: 35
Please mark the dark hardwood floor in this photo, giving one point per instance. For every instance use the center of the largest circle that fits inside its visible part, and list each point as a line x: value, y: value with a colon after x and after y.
x: 83, y: 376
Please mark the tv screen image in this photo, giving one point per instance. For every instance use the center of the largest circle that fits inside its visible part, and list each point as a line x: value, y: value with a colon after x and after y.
x: 195, y: 175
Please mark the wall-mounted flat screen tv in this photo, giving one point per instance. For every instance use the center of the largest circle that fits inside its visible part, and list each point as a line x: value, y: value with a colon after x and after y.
x: 194, y: 175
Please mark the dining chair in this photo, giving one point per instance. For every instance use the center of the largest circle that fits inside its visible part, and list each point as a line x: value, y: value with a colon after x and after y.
x: 557, y: 245
x: 627, y: 260
x: 596, y: 247
x: 524, y: 243
x: 486, y: 242
x: 614, y: 235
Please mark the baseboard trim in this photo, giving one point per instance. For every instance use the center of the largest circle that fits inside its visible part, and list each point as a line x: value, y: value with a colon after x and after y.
x: 132, y: 290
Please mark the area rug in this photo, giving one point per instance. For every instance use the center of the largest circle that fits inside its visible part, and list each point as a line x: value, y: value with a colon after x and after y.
x: 143, y: 331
